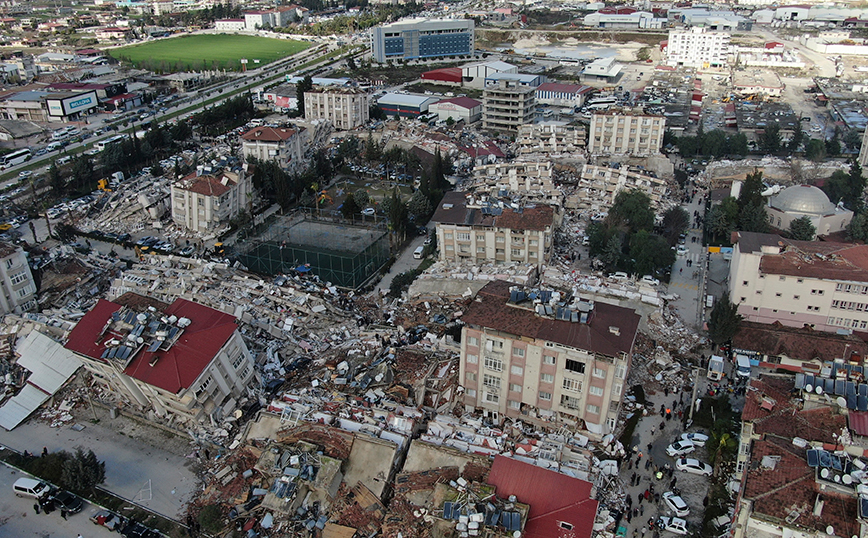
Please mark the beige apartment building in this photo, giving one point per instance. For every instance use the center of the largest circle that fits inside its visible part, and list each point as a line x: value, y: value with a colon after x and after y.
x: 283, y: 145
x: 205, y: 202
x: 626, y: 133
x: 507, y: 104
x: 184, y: 361
x: 483, y: 231
x: 16, y: 280
x: 524, y: 357
x: 821, y: 285
x: 551, y: 138
x: 531, y: 178
x: 599, y: 185
x: 345, y: 108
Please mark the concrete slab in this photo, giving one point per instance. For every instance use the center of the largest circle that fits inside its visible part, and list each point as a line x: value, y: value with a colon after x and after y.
x: 423, y: 456
x: 370, y: 462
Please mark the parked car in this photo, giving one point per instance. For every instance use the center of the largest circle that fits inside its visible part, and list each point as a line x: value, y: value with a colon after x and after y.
x: 186, y: 251
x: 134, y: 529
x: 682, y: 250
x: 698, y: 439
x: 690, y: 465
x: 672, y: 524
x: 369, y: 212
x: 680, y: 448
x: 620, y: 276
x: 109, y: 520
x: 650, y: 280
x: 676, y: 504
x: 67, y: 501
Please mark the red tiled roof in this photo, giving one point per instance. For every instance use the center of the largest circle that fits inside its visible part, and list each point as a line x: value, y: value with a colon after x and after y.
x: 553, y: 498
x: 179, y: 366
x: 858, y: 422
x: 841, y: 261
x: 491, y: 310
x: 486, y: 148
x: 206, y: 185
x: 464, y: 102
x: 449, y: 74
x: 796, y: 343
x: 269, y: 134
x: 791, y: 487
x: 538, y: 218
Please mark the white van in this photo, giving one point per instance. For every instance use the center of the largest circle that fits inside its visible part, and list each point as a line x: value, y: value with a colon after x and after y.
x: 28, y: 487
x: 742, y: 365
x: 418, y: 252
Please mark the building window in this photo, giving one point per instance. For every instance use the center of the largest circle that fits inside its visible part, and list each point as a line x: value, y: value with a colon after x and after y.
x: 472, y: 341
x: 759, y: 292
x: 744, y: 283
x: 518, y: 352
x: 9, y: 263
x: 18, y: 278
x: 547, y: 396
x: 514, y: 404
x: 480, y: 238
x: 471, y: 393
x: 547, y: 378
x: 493, y: 364
x: 491, y: 381
x: 514, y: 387
x: 516, y: 252
x: 616, y: 389
x: 570, y: 402
x: 491, y: 397
x: 596, y: 391
x: 480, y: 250
x: 462, y: 236
x: 447, y: 235
x: 575, y: 366
x: 548, y: 359
x: 594, y: 409
x: 777, y: 294
x: 599, y: 373
x: 621, y: 371
x: 237, y: 362
x: 472, y: 359
x: 204, y: 386
x: 565, y: 525
x: 470, y: 376
x: 573, y: 385
x: 516, y: 370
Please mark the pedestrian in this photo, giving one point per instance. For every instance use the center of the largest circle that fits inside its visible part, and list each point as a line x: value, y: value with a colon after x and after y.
x: 643, y: 531
x: 44, y: 451
x: 36, y: 508
x: 642, y: 510
x: 629, y: 516
x: 647, y: 464
x: 639, y: 498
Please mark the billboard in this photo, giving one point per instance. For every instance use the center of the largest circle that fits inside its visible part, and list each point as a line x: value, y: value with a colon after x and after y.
x: 73, y: 104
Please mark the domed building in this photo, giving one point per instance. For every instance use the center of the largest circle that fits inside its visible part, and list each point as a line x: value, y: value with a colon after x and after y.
x: 806, y: 200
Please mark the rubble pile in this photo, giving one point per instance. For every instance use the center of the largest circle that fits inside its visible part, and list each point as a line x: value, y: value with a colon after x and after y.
x: 519, y: 273
x: 666, y: 328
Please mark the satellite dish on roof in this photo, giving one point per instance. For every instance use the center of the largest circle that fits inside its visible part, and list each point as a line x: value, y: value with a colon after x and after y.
x: 809, y: 387
x: 142, y: 318
x: 841, y: 401
x: 847, y: 479
x: 824, y: 473
x: 830, y: 530
x: 819, y: 389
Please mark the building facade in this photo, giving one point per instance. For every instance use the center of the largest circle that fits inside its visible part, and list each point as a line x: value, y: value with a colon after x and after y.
x: 206, y: 203
x: 558, y: 94
x: 626, y: 133
x: 568, y: 367
x: 192, y: 362
x: 507, y: 104
x: 550, y: 137
x: 483, y: 231
x: 599, y: 185
x: 422, y: 38
x: 345, y: 108
x: 821, y: 285
x: 458, y: 108
x: 274, y: 144
x: 801, y: 201
x: 19, y: 288
x: 697, y: 47
x: 230, y: 25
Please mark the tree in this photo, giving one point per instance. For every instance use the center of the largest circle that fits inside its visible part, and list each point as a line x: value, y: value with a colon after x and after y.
x: 802, y: 229
x: 815, y: 150
x: 372, y: 149
x: 770, y: 139
x: 738, y: 144
x: 83, y: 471
x: 397, y: 213
x: 753, y: 218
x: 721, y: 443
x: 833, y: 145
x: 305, y: 85
x: 54, y: 179
x: 858, y: 227
x: 211, y: 518
x: 361, y: 197
x: 350, y: 207
x: 856, y: 184
x: 717, y: 224
x: 612, y: 252
x: 675, y: 222
x: 650, y: 253
x: 631, y: 209
x: 724, y: 321
x: 797, y: 139
x: 751, y: 190
x: 351, y: 63
x: 852, y: 140
x: 846, y: 187
x: 157, y: 170
x: 419, y: 207
x: 714, y: 143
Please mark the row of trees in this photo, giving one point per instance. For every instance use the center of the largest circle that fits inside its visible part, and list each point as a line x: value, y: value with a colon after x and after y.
x: 219, y: 119
x: 626, y: 239
x: 747, y: 213
x: 714, y: 143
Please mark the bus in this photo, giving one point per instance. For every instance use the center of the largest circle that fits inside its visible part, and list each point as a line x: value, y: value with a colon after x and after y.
x: 102, y: 144
x: 14, y: 158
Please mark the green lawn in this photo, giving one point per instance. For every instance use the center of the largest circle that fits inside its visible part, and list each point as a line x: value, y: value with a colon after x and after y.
x: 207, y: 52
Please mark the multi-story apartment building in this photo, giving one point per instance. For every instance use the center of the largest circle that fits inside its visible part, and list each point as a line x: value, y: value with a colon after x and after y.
x: 283, y: 145
x: 624, y: 132
x: 550, y: 137
x: 530, y: 178
x: 484, y: 231
x: 345, y: 108
x: 556, y: 93
x: 204, y: 202
x: 184, y: 361
x: 19, y: 288
x: 527, y: 357
x: 599, y: 185
x: 697, y: 47
x: 822, y: 285
x: 507, y: 104
x: 422, y: 38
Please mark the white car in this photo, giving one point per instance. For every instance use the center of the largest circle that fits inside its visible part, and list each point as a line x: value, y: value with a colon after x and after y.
x: 369, y: 212
x: 650, y: 280
x: 690, y: 465
x: 698, y: 439
x: 680, y: 448
x: 676, y: 504
x: 672, y: 524
x: 620, y: 276
x: 681, y: 251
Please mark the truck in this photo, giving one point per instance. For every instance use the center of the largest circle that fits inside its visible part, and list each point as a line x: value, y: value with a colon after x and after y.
x: 742, y: 365
x: 715, y: 368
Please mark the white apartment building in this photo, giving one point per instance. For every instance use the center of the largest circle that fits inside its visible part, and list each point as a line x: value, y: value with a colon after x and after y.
x: 280, y: 144
x: 550, y: 137
x: 599, y: 185
x: 822, y: 285
x: 697, y: 47
x: 345, y: 108
x: 475, y: 229
x: 19, y: 288
x: 193, y: 363
x: 206, y: 203
x: 626, y: 133
x: 230, y: 25
x: 532, y: 179
x: 507, y: 104
x: 562, y: 365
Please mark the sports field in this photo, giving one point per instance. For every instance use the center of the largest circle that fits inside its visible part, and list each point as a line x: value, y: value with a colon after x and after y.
x: 209, y: 51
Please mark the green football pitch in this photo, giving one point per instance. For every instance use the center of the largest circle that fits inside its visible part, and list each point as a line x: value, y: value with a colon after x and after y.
x: 208, y: 51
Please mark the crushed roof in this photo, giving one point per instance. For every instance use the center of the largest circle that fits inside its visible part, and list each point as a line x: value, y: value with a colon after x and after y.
x: 453, y: 210
x: 206, y: 185
x: 811, y: 259
x: 180, y: 365
x: 7, y: 249
x: 269, y: 134
x: 491, y: 310
x: 802, y: 344
x: 553, y: 497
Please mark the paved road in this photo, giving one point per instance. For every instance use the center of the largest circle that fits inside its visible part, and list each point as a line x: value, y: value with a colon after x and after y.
x: 130, y: 463
x: 686, y: 281
x: 17, y: 519
x: 405, y: 262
